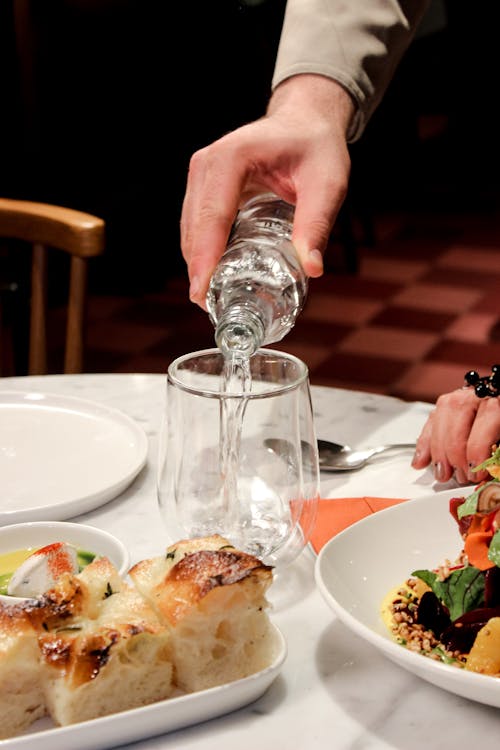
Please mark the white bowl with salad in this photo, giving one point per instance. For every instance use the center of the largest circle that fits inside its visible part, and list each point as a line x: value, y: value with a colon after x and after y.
x: 34, y: 554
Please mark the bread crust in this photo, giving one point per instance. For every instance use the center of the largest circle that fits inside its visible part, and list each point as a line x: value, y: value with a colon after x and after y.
x: 175, y: 589
x: 21, y: 696
x: 213, y: 598
x: 192, y: 618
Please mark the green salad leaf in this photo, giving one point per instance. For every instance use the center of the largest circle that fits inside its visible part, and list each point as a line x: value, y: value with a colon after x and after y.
x: 443, y: 656
x: 493, y: 459
x: 469, y: 506
x: 462, y: 591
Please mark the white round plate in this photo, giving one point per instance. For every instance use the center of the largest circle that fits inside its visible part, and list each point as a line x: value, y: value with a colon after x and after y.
x: 61, y: 456
x: 358, y: 567
x: 40, y: 533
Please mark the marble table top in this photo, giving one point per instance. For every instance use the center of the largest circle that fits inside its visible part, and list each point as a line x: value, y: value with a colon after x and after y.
x: 335, y: 691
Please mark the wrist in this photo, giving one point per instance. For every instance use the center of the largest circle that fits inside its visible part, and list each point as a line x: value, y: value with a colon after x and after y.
x: 311, y: 92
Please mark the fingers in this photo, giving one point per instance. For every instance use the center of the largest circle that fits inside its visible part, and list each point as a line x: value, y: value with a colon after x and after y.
x: 422, y: 456
x: 455, y: 416
x: 208, y: 211
x: 321, y: 190
x: 315, y: 214
x: 220, y: 177
x: 458, y: 436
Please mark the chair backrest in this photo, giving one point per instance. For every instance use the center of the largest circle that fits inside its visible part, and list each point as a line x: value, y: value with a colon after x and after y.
x: 79, y: 234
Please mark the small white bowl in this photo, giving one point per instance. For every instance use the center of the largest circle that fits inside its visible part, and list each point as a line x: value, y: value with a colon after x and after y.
x: 40, y: 533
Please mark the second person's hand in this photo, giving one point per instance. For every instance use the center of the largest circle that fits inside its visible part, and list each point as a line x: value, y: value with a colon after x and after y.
x: 458, y: 436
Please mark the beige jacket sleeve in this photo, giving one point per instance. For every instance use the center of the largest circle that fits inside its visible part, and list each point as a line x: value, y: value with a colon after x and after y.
x: 357, y: 42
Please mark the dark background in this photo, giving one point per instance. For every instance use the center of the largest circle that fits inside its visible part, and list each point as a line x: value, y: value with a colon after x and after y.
x: 103, y: 102
x: 109, y: 102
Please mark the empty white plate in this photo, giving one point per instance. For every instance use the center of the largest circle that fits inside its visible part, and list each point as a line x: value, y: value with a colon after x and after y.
x: 61, y: 456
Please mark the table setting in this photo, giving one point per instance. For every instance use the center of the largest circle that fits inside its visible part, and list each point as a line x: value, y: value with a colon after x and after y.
x: 335, y: 679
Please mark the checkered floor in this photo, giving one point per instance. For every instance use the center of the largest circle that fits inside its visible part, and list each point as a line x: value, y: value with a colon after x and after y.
x: 423, y: 308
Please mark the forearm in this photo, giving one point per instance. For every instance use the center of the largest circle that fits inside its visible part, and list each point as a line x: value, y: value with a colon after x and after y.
x: 356, y: 42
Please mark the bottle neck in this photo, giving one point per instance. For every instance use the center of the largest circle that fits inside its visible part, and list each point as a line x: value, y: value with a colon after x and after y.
x: 240, y: 331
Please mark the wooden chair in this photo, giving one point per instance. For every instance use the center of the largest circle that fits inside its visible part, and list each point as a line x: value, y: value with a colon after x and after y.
x: 48, y: 227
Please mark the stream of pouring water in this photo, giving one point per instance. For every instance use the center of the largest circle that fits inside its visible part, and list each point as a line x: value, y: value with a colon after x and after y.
x: 236, y: 379
x: 255, y: 516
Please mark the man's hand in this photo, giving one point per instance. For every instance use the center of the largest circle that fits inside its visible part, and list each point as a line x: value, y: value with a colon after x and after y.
x: 298, y: 151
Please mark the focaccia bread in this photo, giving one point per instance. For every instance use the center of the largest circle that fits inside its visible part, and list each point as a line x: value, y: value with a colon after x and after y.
x: 102, y: 649
x: 95, y: 645
x: 21, y: 697
x: 213, y: 598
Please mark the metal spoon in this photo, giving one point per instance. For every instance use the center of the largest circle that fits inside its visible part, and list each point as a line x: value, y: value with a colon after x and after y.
x: 333, y: 456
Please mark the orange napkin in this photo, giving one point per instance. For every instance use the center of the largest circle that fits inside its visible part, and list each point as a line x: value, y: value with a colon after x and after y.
x: 336, y: 514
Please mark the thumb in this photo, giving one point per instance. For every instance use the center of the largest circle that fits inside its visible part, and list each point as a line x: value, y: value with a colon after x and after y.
x: 315, y: 215
x: 318, y: 201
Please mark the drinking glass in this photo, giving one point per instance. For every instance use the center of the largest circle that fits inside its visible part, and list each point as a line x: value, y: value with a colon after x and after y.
x: 216, y: 473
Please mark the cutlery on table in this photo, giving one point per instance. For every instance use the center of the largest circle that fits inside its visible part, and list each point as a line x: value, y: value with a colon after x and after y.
x: 337, y: 457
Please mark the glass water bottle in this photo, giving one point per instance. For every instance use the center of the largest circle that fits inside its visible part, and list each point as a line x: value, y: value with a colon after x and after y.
x: 259, y: 287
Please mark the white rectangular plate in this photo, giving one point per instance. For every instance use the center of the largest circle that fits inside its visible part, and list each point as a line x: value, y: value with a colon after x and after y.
x: 157, y: 718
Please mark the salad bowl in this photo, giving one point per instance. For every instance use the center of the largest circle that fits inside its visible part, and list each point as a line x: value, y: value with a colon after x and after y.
x: 357, y: 568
